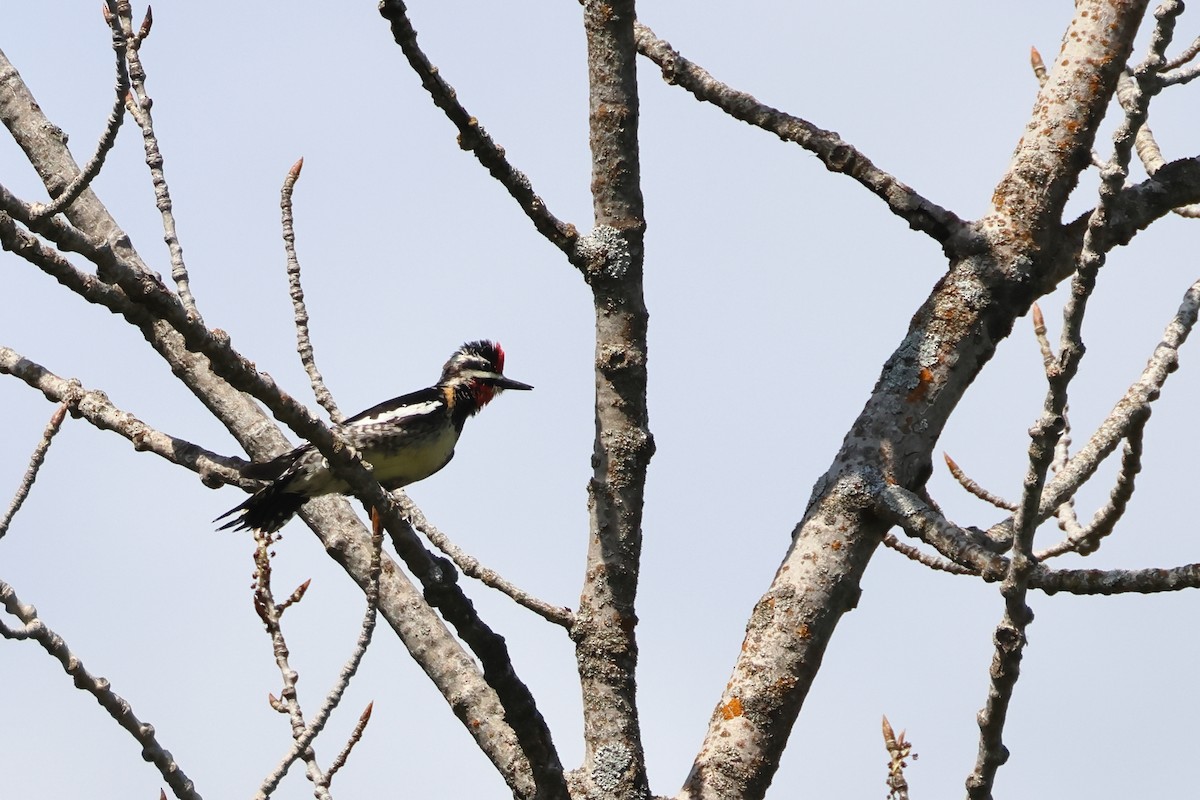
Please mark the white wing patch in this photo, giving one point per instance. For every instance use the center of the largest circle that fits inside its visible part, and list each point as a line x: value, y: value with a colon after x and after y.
x: 396, y: 414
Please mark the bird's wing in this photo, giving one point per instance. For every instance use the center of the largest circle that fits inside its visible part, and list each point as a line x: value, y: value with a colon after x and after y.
x: 413, y: 404
x: 362, y: 429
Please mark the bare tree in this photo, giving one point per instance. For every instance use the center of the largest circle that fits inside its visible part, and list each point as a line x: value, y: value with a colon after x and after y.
x: 874, y: 492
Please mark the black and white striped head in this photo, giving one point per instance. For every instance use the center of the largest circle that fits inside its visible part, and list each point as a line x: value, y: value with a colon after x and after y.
x: 477, y: 368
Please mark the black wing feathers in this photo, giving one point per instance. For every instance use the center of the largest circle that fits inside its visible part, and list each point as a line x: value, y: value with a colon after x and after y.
x: 427, y: 395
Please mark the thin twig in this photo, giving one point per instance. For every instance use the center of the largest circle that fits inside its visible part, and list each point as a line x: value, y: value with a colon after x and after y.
x: 1145, y: 144
x: 974, y: 488
x: 118, y: 707
x: 270, y: 613
x: 1162, y: 363
x: 302, y: 740
x: 902, y: 508
x: 1068, y: 520
x: 1086, y: 541
x: 303, y: 342
x: 834, y: 152
x: 921, y: 557
x: 107, y: 138
x: 1009, y: 637
x: 1184, y: 57
x: 471, y: 567
x: 1181, y: 76
x: 1174, y: 186
x: 35, y: 464
x: 911, y: 514
x: 139, y: 104
x: 472, y: 136
x: 296, y: 596
x: 355, y: 738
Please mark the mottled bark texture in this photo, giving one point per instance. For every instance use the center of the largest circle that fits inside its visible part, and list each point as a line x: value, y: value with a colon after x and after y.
x: 997, y: 268
x: 612, y: 261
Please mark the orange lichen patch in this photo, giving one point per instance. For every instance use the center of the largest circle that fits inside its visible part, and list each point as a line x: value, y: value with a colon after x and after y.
x: 732, y: 709
x: 835, y: 545
x: 804, y: 632
x: 924, y: 378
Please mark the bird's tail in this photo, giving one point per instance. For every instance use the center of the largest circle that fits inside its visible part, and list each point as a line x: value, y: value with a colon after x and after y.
x: 266, y: 510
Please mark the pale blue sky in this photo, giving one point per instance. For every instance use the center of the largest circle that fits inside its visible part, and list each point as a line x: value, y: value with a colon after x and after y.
x: 776, y: 289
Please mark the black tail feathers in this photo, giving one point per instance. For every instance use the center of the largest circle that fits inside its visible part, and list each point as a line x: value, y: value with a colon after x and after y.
x: 266, y: 510
x: 273, y: 469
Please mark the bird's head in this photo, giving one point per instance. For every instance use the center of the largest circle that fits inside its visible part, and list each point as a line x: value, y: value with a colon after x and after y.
x: 478, y: 368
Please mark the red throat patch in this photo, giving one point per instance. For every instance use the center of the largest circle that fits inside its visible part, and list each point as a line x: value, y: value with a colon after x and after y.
x: 482, y: 392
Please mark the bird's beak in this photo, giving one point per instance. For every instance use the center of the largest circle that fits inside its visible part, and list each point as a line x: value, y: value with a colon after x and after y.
x: 501, y: 382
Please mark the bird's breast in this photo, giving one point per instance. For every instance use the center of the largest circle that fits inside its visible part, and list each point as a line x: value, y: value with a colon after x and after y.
x: 398, y: 463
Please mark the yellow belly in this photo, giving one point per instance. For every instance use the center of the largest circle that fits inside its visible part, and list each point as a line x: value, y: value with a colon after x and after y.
x: 414, y: 463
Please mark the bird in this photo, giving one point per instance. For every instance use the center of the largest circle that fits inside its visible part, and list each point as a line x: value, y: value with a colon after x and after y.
x: 405, y: 440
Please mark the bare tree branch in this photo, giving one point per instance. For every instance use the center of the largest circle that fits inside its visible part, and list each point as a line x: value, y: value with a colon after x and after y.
x: 1187, y: 54
x: 1009, y: 638
x: 139, y: 104
x: 117, y: 707
x: 921, y: 557
x: 1147, y: 147
x: 1174, y: 185
x: 303, y: 342
x: 1086, y: 540
x: 1068, y: 520
x: 35, y: 461
x: 333, y: 697
x: 107, y: 138
x: 442, y: 592
x: 996, y: 274
x: 271, y: 614
x: 94, y: 406
x: 835, y: 153
x: 1181, y: 76
x: 613, y: 261
x: 471, y: 567
x: 1127, y: 413
x: 472, y: 136
x: 900, y: 507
